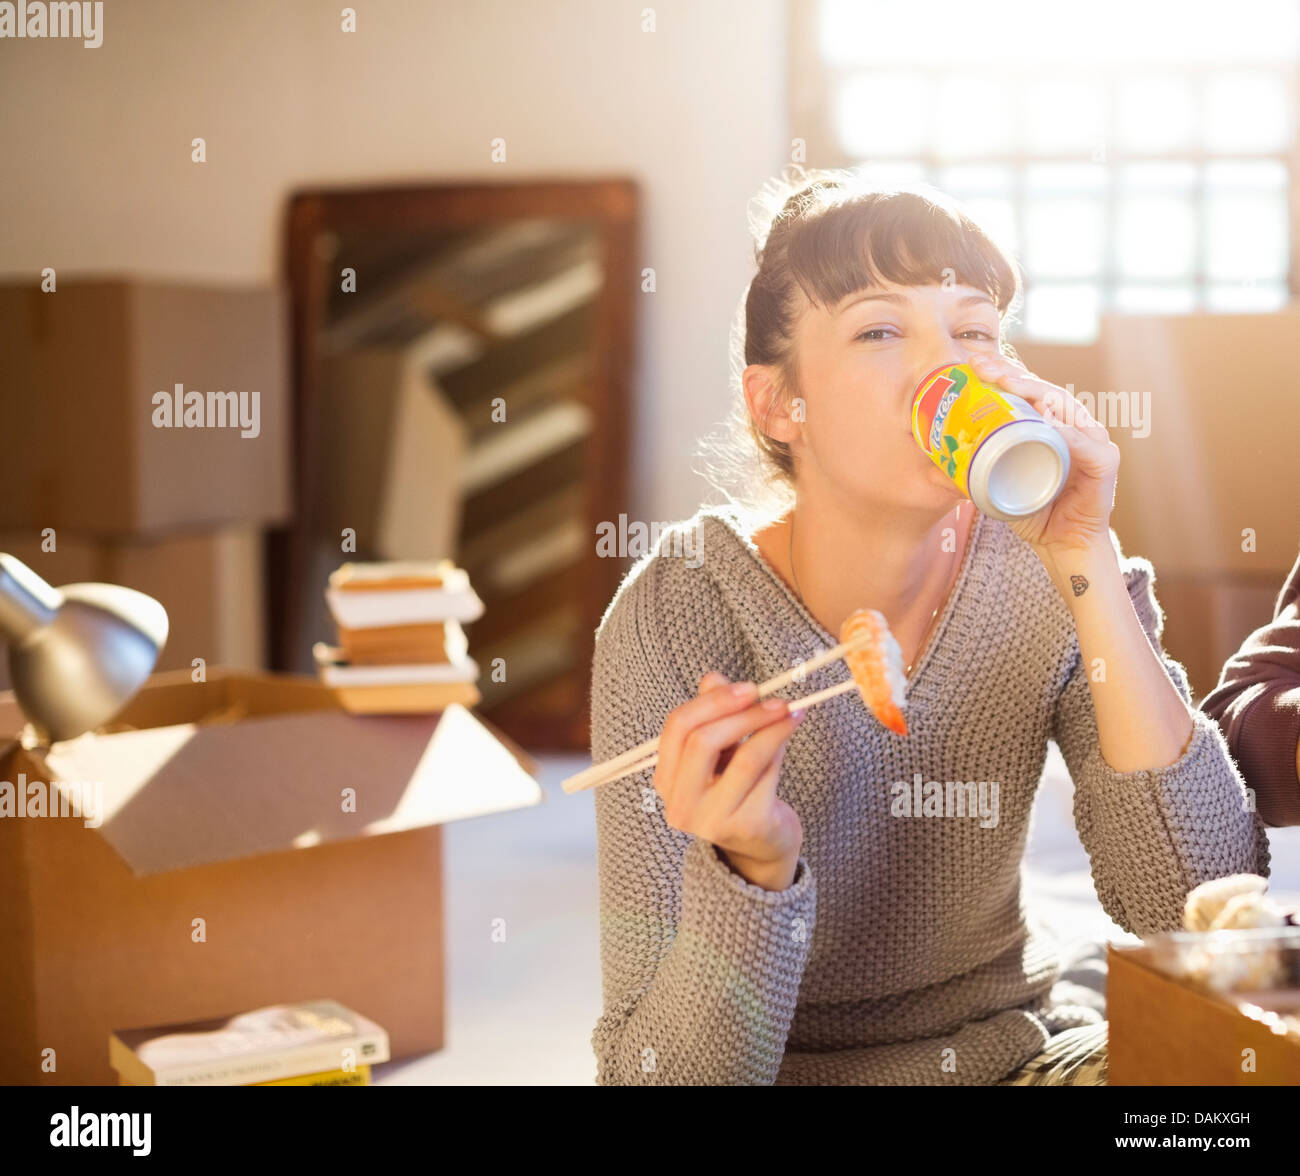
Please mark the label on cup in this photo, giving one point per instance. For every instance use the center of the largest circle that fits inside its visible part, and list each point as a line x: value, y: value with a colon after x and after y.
x: 954, y: 412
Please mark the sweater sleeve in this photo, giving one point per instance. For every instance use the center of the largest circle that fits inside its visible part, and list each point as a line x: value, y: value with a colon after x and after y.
x: 1257, y: 706
x: 700, y: 968
x: 1153, y: 835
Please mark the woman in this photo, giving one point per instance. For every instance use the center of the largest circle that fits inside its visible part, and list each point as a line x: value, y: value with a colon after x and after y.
x: 776, y: 909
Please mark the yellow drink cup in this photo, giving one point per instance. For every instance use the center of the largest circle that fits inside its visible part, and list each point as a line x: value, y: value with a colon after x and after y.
x: 995, y: 446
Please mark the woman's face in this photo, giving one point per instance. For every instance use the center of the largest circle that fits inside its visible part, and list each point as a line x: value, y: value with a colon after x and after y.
x: 859, y: 364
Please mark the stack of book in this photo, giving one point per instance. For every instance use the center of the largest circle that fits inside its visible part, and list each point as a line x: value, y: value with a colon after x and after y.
x: 401, y: 648
x: 306, y: 1043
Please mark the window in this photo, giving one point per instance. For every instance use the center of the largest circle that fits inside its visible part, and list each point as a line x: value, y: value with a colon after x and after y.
x: 1136, y: 157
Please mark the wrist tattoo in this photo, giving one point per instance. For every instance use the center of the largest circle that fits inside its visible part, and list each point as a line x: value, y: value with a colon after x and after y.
x: 1079, y: 584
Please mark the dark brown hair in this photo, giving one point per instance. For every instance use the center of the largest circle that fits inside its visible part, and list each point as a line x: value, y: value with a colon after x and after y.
x: 824, y: 235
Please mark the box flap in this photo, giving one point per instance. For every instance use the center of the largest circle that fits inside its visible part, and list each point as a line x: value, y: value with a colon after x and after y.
x: 190, y: 795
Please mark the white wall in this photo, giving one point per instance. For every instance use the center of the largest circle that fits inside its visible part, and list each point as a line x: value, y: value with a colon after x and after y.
x: 95, y: 145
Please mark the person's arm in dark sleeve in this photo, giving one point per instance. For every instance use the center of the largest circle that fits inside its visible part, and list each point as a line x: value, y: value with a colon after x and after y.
x: 1257, y: 706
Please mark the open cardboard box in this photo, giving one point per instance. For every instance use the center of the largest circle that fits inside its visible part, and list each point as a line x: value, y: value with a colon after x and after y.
x: 229, y: 804
x: 1164, y: 1032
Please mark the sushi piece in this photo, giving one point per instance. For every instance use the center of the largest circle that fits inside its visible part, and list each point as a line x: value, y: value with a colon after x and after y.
x: 1234, y: 903
x: 876, y: 663
x: 1206, y: 902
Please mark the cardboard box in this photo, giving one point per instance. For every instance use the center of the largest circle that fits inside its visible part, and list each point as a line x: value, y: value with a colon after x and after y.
x: 240, y: 824
x: 82, y: 367
x: 1207, y: 619
x: 1080, y: 364
x: 392, y: 450
x: 213, y: 588
x: 1162, y: 1032
x: 210, y: 583
x: 1216, y: 461
x: 1212, y: 393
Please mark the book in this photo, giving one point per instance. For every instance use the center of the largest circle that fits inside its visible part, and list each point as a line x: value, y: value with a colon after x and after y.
x: 391, y: 575
x: 335, y: 670
x: 278, y: 1041
x: 407, y: 698
x: 399, y: 688
x: 380, y: 595
x: 358, y: 1076
x: 391, y: 644
x: 442, y: 641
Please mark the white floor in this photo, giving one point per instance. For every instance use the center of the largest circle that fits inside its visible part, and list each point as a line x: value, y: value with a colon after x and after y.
x: 521, y: 1006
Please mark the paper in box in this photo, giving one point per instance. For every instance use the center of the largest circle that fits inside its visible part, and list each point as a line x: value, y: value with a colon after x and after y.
x: 240, y: 824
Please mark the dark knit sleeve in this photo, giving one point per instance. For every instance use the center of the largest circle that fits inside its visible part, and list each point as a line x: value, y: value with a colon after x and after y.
x: 700, y: 969
x: 1153, y: 835
x: 1257, y: 706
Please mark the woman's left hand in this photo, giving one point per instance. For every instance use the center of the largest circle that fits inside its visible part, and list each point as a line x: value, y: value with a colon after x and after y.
x: 1079, y: 518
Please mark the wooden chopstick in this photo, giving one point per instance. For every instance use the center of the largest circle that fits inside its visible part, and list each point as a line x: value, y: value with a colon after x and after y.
x: 632, y: 758
x: 796, y: 704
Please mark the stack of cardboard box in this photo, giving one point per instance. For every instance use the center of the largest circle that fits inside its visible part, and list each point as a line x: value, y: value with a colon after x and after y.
x: 148, y: 447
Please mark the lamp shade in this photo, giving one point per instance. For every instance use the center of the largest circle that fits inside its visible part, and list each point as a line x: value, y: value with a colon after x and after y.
x: 77, y: 654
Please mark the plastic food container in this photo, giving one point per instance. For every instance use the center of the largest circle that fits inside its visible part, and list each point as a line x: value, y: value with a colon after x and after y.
x: 1258, y: 967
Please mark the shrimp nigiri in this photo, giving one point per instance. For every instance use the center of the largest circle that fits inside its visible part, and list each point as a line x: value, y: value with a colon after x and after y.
x: 876, y: 664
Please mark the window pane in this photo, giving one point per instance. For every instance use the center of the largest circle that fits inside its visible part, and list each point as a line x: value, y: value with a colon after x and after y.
x: 1136, y: 299
x: 972, y: 119
x: 1156, y: 114
x: 1246, y: 235
x: 884, y: 114
x: 1065, y: 236
x: 949, y: 32
x: 985, y: 192
x: 1255, y: 175
x: 1157, y: 177
x: 850, y: 32
x: 1156, y: 236
x: 1246, y: 112
x: 975, y: 179
x: 1247, y: 296
x: 1064, y: 116
x: 1068, y: 314
x: 895, y: 172
x: 997, y: 217
x: 1066, y: 177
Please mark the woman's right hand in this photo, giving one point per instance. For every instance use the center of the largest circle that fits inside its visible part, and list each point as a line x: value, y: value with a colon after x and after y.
x: 723, y: 790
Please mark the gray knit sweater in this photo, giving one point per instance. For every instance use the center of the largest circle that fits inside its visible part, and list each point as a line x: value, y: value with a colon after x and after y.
x: 901, y: 953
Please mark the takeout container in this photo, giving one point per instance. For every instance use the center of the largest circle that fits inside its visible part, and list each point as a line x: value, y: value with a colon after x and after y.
x: 1218, y: 1008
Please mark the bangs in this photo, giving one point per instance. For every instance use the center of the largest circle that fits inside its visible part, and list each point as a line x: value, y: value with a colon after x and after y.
x: 903, y: 237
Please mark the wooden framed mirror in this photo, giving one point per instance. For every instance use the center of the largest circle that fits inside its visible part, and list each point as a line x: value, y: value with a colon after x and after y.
x: 462, y: 356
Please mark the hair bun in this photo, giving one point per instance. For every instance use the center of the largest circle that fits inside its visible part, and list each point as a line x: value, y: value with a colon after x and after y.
x: 782, y: 196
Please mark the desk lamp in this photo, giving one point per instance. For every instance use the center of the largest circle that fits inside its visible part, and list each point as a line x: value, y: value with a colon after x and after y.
x: 77, y: 654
